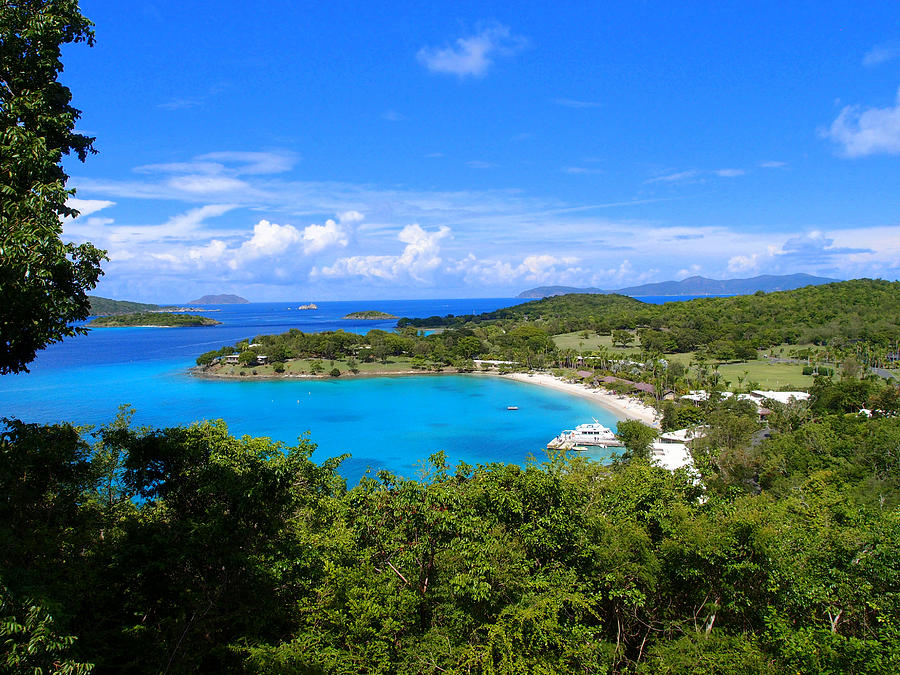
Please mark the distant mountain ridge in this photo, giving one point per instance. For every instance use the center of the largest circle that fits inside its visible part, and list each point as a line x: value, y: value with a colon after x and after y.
x: 223, y: 299
x: 696, y: 285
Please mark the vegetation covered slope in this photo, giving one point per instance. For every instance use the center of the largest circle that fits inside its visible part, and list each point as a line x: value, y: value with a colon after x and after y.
x: 189, y: 550
x: 107, y: 307
x: 860, y: 309
x: 152, y: 319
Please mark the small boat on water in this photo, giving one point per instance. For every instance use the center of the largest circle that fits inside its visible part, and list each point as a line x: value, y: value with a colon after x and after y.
x: 592, y: 434
x: 512, y: 407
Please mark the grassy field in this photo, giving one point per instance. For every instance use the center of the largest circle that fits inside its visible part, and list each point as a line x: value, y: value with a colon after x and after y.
x: 768, y: 375
x: 580, y: 344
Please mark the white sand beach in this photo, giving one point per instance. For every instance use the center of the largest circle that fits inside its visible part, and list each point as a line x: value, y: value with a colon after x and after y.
x: 624, y: 407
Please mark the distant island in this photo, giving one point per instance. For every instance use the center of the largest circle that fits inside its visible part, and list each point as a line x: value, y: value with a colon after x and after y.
x: 310, y: 305
x: 223, y: 299
x: 147, y: 319
x: 695, y: 285
x: 370, y: 315
x: 107, y: 307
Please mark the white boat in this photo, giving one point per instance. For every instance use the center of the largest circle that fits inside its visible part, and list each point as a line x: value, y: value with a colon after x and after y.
x: 590, y: 434
x: 512, y: 407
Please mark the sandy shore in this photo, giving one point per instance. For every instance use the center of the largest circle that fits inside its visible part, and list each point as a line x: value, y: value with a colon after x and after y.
x: 624, y: 407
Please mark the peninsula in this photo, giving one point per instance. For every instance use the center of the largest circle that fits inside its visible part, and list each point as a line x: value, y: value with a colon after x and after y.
x: 153, y: 320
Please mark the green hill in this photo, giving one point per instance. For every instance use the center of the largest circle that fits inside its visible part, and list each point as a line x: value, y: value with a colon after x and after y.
x: 107, y: 307
x: 167, y: 319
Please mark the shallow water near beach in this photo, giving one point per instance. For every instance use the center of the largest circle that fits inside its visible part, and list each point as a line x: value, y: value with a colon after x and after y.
x: 383, y: 422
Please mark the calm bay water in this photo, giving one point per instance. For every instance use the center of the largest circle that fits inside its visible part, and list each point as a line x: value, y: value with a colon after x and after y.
x: 384, y: 422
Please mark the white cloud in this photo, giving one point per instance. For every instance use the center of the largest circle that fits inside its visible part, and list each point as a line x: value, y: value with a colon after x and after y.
x: 867, y: 132
x: 419, y: 258
x: 880, y: 54
x: 269, y: 240
x: 675, y: 177
x: 729, y: 173
x: 350, y: 217
x: 188, y: 221
x: 772, y: 164
x: 540, y: 268
x: 86, y: 207
x: 741, y: 264
x: 478, y: 164
x: 252, y: 163
x: 317, y: 238
x: 212, y: 252
x: 471, y: 56
x: 207, y: 184
x: 392, y: 116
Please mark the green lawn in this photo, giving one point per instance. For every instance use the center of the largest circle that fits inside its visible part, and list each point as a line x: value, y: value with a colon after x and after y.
x: 768, y: 375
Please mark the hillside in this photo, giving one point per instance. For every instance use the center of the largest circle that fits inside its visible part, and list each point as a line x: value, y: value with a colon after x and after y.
x: 696, y: 285
x: 107, y: 307
x: 167, y: 319
x: 859, y: 309
x: 223, y: 299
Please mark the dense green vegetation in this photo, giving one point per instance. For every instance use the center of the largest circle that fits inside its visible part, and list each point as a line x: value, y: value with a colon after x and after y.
x: 187, y: 550
x: 370, y: 315
x: 44, y: 281
x: 454, y: 348
x: 152, y: 319
x: 863, y: 309
x: 106, y: 307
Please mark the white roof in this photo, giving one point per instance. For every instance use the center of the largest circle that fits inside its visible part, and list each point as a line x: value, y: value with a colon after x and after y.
x: 671, y: 456
x: 782, y: 396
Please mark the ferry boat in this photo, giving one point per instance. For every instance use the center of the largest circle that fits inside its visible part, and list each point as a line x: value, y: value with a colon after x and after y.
x: 592, y: 434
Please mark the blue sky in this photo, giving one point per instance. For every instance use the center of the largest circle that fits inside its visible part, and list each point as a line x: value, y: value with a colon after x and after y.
x: 316, y: 151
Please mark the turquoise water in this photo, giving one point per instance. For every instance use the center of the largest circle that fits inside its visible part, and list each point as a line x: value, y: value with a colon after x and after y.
x: 383, y: 422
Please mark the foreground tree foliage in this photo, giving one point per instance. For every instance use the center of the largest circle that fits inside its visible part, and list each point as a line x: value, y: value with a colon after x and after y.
x: 187, y: 549
x: 43, y: 281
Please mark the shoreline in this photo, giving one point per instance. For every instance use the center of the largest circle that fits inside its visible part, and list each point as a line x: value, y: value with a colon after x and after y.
x: 627, y: 407
x: 624, y: 407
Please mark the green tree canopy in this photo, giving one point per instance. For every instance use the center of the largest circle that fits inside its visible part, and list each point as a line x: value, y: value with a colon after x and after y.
x: 43, y: 281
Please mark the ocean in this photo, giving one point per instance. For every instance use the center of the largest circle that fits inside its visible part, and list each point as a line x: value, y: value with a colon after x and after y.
x: 391, y: 423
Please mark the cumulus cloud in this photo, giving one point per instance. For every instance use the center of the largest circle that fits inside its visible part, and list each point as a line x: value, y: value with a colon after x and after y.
x: 419, y: 258
x: 471, y: 56
x: 540, y: 268
x: 212, y: 252
x: 861, y: 132
x: 319, y: 237
x: 269, y: 240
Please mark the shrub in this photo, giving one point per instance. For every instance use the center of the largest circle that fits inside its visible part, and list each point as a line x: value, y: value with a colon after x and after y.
x: 335, y: 372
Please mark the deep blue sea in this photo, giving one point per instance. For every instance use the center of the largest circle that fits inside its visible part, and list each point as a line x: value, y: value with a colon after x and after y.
x: 383, y: 422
